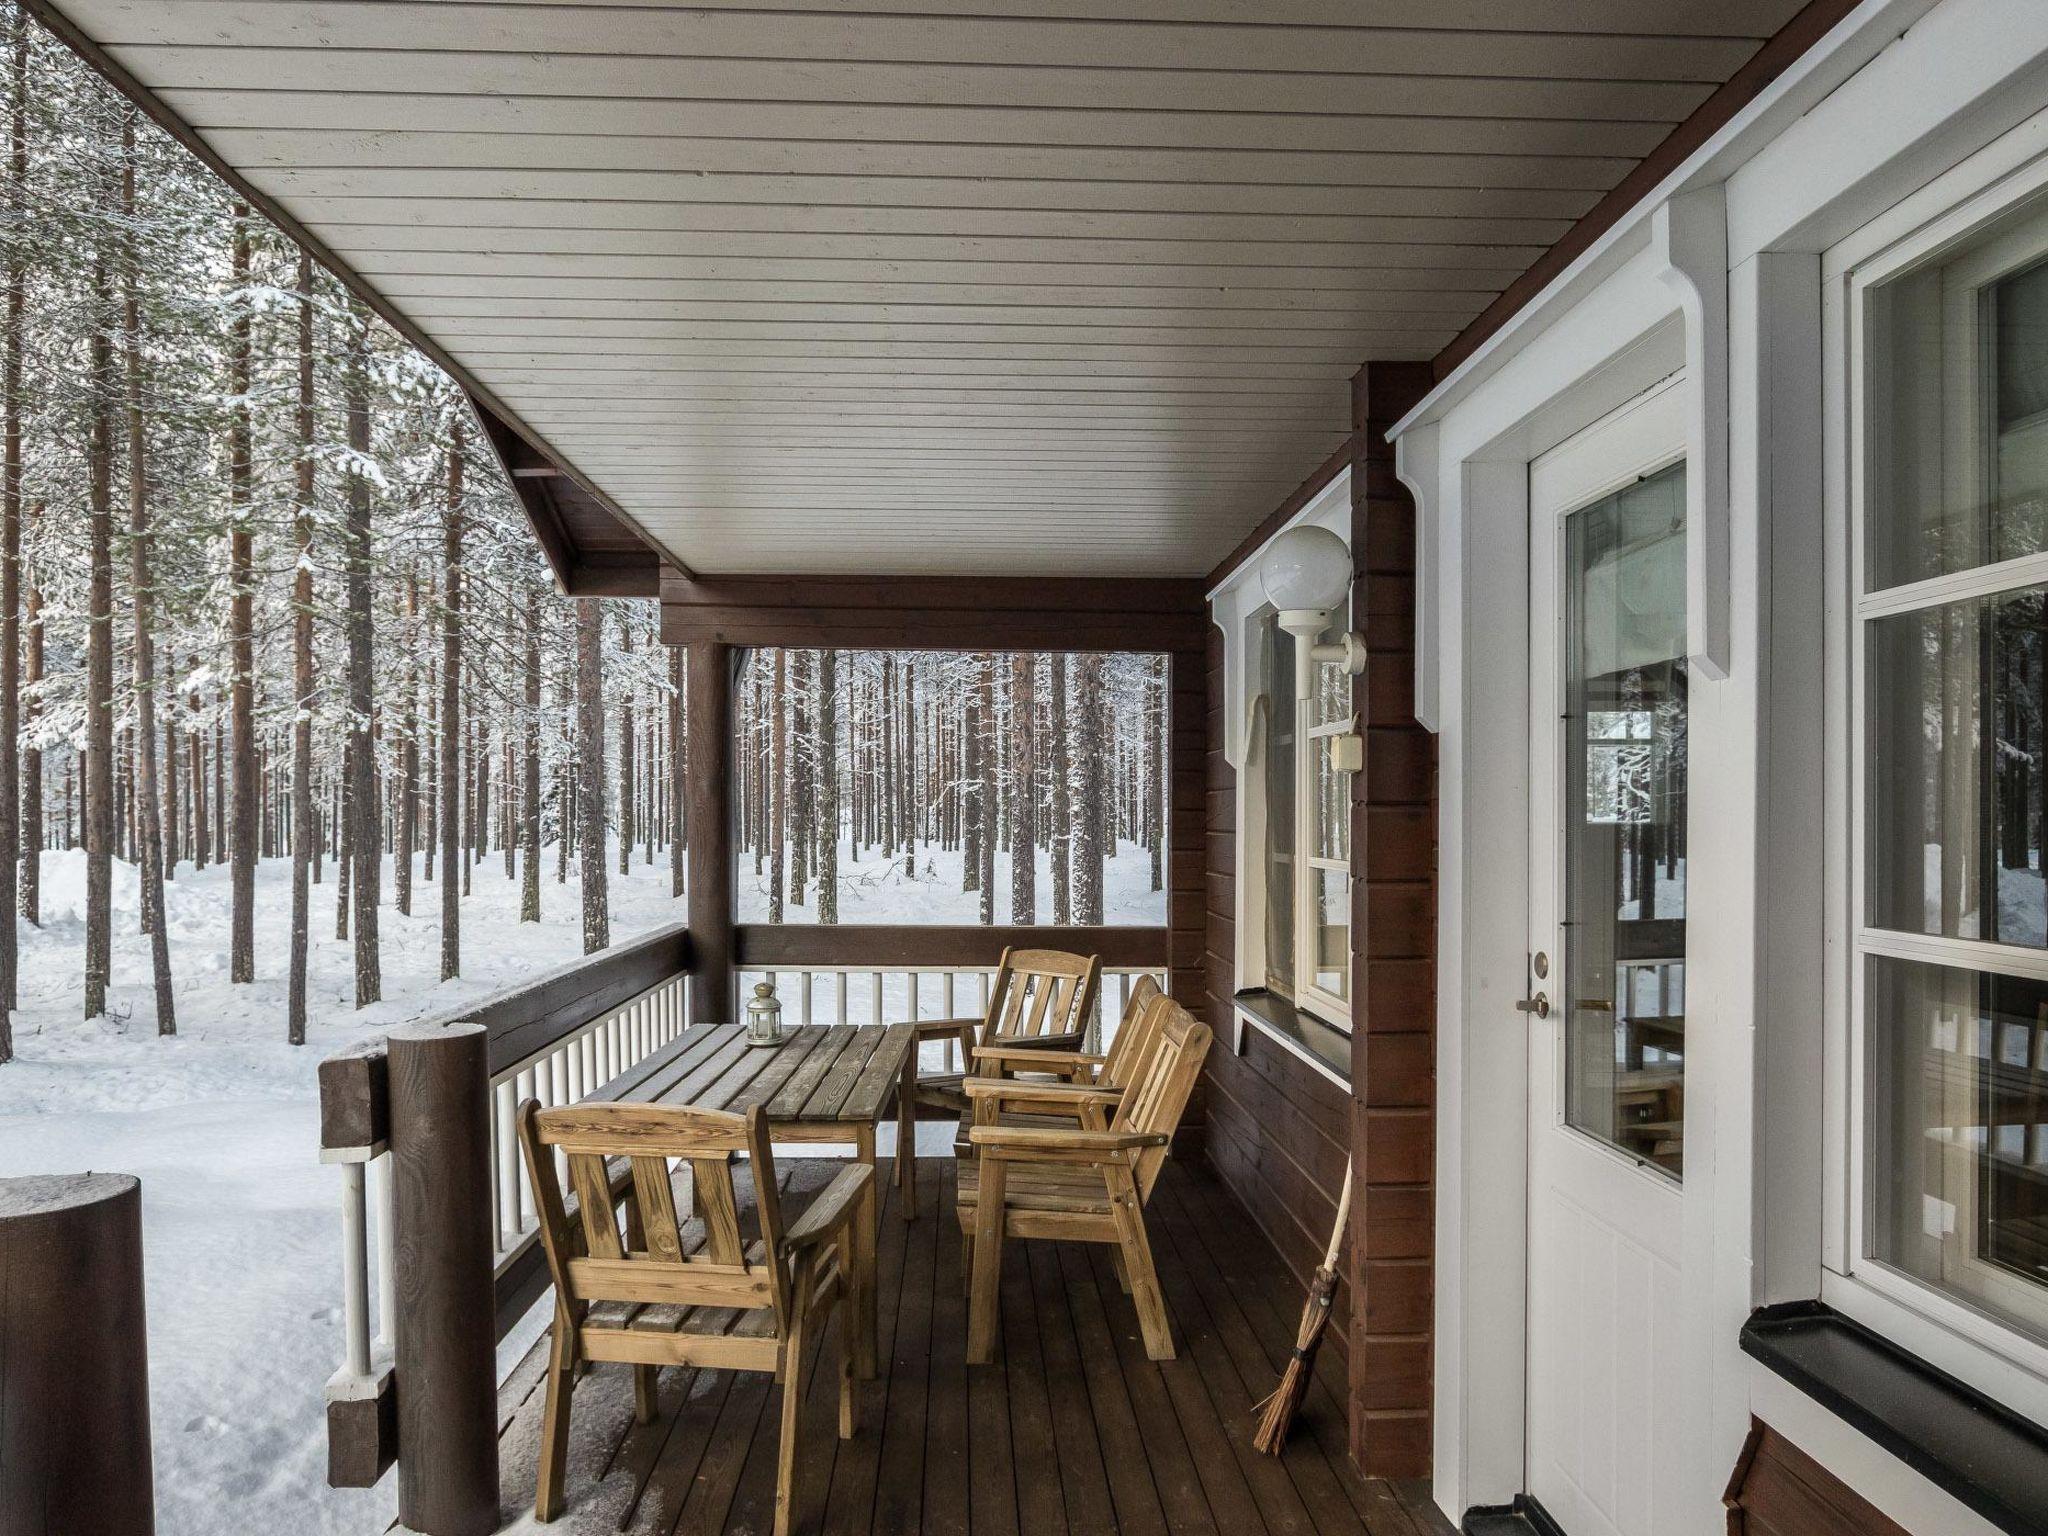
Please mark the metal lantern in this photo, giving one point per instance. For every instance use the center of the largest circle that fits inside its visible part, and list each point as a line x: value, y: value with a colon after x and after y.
x: 764, y: 1016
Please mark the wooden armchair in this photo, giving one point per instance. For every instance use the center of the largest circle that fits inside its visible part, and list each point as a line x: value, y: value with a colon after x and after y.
x: 648, y: 1299
x: 1136, y: 1033
x: 1039, y: 1002
x: 1088, y: 1182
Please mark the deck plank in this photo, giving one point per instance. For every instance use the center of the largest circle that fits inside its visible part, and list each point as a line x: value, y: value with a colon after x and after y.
x: 1071, y: 1432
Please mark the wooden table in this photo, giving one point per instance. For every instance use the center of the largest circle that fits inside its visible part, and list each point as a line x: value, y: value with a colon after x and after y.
x: 824, y: 1083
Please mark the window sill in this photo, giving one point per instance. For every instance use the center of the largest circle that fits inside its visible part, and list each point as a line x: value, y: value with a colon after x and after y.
x: 1322, y: 1048
x: 1963, y: 1442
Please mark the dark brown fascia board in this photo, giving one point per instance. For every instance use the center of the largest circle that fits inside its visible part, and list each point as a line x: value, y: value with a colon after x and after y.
x: 1779, y: 52
x: 61, y: 27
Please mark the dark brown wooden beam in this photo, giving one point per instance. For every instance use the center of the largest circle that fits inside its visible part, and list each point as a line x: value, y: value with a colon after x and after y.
x: 444, y: 1355
x: 965, y: 946
x: 707, y: 789
x: 74, y: 1357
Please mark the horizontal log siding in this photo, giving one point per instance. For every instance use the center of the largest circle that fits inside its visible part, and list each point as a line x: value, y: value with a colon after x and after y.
x: 1393, y: 959
x: 1273, y: 1130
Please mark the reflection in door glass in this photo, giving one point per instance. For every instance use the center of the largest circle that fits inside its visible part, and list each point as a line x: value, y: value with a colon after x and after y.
x: 1625, y: 772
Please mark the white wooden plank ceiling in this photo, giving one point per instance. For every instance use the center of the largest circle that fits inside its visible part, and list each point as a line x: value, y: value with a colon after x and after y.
x: 1064, y: 286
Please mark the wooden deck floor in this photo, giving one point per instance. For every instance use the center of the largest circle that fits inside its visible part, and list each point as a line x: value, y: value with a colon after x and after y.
x: 1073, y: 1430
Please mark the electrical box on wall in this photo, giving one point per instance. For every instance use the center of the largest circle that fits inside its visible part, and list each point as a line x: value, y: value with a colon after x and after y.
x: 1347, y: 752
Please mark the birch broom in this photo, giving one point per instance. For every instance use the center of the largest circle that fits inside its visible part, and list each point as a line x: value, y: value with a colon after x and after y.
x: 1276, y: 1413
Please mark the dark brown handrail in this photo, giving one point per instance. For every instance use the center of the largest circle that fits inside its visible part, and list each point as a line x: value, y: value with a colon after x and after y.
x: 965, y: 946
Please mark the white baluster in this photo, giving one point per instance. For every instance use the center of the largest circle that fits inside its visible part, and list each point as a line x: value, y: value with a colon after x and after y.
x: 803, y: 989
x: 840, y: 979
x: 875, y: 1013
x: 946, y: 1001
x: 355, y: 1274
x: 504, y: 1131
x: 387, y: 1254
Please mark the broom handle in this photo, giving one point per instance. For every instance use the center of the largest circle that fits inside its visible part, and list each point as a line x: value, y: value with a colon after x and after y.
x: 1343, y: 1220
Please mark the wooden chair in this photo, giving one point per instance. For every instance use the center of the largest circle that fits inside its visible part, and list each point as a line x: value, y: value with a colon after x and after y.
x: 1136, y: 1032
x: 647, y: 1299
x: 1083, y: 1183
x: 1040, y: 1001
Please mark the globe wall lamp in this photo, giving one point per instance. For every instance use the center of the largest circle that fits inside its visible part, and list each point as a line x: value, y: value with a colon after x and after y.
x: 1305, y: 572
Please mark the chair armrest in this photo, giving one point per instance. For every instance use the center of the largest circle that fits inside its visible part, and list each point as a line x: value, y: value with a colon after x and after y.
x: 1061, y: 1093
x: 1038, y: 1058
x: 1025, y: 1045
x: 935, y: 1029
x: 832, y: 1210
x: 1051, y: 1140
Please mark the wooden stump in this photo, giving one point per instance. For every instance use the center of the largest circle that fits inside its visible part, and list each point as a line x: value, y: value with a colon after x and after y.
x: 74, y: 1360
x: 445, y: 1352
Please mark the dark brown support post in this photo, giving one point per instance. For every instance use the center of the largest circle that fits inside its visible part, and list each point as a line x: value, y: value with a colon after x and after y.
x: 1393, y: 959
x: 74, y: 1360
x: 445, y: 1352
x: 708, y: 808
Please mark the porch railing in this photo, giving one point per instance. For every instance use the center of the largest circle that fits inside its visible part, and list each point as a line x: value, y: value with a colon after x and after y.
x: 552, y: 1039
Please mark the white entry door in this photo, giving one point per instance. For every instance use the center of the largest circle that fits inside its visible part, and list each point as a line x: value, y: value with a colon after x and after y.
x: 1606, y: 1002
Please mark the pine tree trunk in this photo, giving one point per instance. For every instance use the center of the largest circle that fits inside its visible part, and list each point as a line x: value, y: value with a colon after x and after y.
x: 202, y: 833
x: 241, y: 627
x: 970, y: 783
x: 449, y: 774
x: 99, y: 645
x: 910, y: 814
x: 1061, y: 768
x: 303, y: 833
x: 529, y: 891
x: 142, y: 604
x: 677, y: 851
x: 1090, y: 824
x: 590, y: 755
x: 828, y: 787
x: 987, y: 782
x: 10, y: 539
x: 778, y: 820
x: 626, y: 788
x: 1157, y: 775
x: 365, y: 835
x: 407, y: 819
x: 174, y: 830
x: 1023, y: 791
x: 802, y: 766
x: 32, y: 755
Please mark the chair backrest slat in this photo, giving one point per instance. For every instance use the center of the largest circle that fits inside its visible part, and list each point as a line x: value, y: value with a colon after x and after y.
x: 1040, y: 993
x: 654, y: 1263
x: 1159, y: 1093
x: 1135, y: 1034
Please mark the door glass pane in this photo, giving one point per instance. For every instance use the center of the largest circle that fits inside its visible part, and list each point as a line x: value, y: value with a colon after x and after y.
x: 1959, y: 1120
x: 1956, y: 778
x: 1330, y: 889
x: 1623, y: 987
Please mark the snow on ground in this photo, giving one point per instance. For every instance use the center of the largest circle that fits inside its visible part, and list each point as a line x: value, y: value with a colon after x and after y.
x: 874, y: 889
x: 241, y: 1222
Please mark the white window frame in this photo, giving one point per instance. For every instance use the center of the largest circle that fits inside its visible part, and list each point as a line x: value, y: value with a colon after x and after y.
x: 1241, y: 610
x: 1950, y: 1332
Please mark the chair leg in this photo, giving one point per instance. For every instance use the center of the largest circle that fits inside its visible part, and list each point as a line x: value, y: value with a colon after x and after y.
x: 791, y: 1373
x: 1123, y: 1270
x: 554, y: 1428
x: 1136, y: 1250
x: 644, y: 1378
x: 849, y: 1403
x: 988, y: 1263
x: 966, y: 1258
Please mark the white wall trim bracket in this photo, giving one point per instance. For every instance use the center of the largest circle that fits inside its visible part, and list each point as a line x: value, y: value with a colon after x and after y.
x: 1415, y: 465
x: 1689, y: 233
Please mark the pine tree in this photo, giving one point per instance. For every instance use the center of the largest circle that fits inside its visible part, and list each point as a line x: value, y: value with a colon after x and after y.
x: 368, y: 845
x: 449, y: 773
x: 303, y: 833
x: 11, y: 406
x: 590, y: 755
x: 99, y: 664
x: 1091, y: 791
x: 242, y: 621
x: 828, y: 786
x: 1023, y: 791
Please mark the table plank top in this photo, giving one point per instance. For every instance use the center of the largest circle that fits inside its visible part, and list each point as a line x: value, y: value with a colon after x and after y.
x: 820, y: 1072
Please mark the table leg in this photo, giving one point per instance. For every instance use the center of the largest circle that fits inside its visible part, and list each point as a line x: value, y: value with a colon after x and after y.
x: 866, y: 1241
x: 906, y: 1134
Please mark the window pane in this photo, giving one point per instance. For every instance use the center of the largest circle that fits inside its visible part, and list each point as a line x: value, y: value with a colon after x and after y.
x: 1624, y: 946
x: 1279, y: 705
x: 1333, y: 683
x: 1331, y: 890
x: 1959, y: 1122
x: 1955, y: 770
x: 1333, y: 803
x: 1959, y: 423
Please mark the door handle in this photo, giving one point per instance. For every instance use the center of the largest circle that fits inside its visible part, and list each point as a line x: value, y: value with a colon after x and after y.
x: 1538, y: 1005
